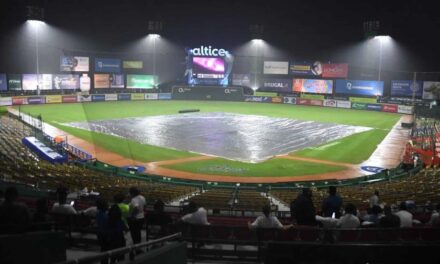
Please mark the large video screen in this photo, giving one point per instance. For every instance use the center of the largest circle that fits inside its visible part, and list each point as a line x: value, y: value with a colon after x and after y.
x: 208, y: 68
x: 313, y: 86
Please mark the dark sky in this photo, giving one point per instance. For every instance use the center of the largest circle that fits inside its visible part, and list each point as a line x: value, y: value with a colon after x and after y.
x: 306, y: 29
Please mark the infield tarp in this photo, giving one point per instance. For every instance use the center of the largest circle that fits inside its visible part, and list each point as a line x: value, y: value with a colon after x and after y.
x: 247, y: 138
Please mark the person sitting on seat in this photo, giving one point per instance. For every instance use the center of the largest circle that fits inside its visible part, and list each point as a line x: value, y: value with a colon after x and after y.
x: 389, y: 220
x: 195, y: 215
x: 14, y: 216
x: 406, y: 218
x: 62, y: 207
x: 267, y: 220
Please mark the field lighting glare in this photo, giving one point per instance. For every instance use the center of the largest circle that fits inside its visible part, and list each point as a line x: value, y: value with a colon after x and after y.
x: 154, y: 36
x: 383, y: 38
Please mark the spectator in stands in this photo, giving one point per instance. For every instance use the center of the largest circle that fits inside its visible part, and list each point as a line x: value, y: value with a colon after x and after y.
x: 61, y: 207
x: 389, y: 220
x: 158, y: 220
x: 101, y: 224
x: 136, y: 214
x: 196, y: 215
x: 435, y: 215
x: 119, y: 200
x: 373, y: 216
x: 349, y: 219
x: 332, y: 204
x: 267, y: 220
x: 374, y: 199
x: 114, y: 230
x: 302, y: 208
x: 41, y: 214
x: 14, y: 216
x: 406, y: 218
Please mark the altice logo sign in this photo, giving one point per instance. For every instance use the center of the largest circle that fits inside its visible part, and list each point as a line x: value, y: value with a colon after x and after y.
x: 209, y: 51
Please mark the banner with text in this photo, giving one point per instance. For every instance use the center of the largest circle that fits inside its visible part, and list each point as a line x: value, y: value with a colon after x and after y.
x: 74, y: 64
x: 14, y: 82
x: 276, y: 67
x: 306, y: 68
x: 335, y: 70
x: 132, y: 64
x: 359, y: 87
x: 406, y: 88
x: 141, y: 81
x: 241, y: 79
x: 277, y: 85
x: 107, y: 65
x: 313, y: 86
x: 30, y: 81
x: 66, y: 81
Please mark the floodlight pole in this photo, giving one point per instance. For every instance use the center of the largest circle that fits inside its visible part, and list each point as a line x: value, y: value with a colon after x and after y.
x: 414, y: 89
x: 37, y: 57
x: 380, y: 58
x: 154, y: 55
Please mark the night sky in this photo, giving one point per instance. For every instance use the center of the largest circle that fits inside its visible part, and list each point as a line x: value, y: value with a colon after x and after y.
x: 302, y: 29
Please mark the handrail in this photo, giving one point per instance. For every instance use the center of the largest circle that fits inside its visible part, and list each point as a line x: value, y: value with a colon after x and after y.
x: 120, y: 251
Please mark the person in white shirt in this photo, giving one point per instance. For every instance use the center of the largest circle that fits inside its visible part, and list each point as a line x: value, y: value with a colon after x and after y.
x: 435, y: 215
x: 195, y: 216
x: 136, y: 214
x: 348, y: 220
x: 374, y: 199
x: 267, y: 220
x: 406, y: 218
x: 62, y: 207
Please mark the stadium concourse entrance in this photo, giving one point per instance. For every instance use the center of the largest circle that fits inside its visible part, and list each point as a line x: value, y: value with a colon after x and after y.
x: 216, y: 93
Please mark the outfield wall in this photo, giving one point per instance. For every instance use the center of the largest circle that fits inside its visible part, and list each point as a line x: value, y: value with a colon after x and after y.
x: 347, y: 104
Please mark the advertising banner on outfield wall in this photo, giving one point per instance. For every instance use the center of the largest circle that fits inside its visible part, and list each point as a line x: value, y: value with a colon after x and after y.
x: 101, y: 81
x: 302, y: 101
x: 66, y: 81
x: 359, y: 106
x: 36, y: 100
x: 277, y: 85
x: 84, y: 98
x: 19, y: 100
x: 98, y: 97
x: 258, y: 99
x: 30, y: 81
x: 53, y: 99
x: 335, y: 70
x: 374, y: 107
x: 137, y: 96
x: 289, y: 100
x: 70, y: 99
x: 276, y: 67
x: 74, y: 64
x: 390, y: 108
x: 431, y: 90
x: 312, y: 96
x: 241, y: 79
x: 330, y: 103
x: 363, y: 100
x: 132, y: 64
x: 359, y: 87
x: 164, y: 96
x: 151, y: 96
x: 306, y: 68
x: 343, y: 104
x: 405, y: 109
x: 406, y: 88
x: 124, y: 97
x: 138, y: 81
x: 3, y: 83
x: 14, y: 82
x: 4, y: 101
x: 117, y: 81
x: 111, y: 97
x: 313, y: 86
x: 277, y: 100
x: 107, y: 65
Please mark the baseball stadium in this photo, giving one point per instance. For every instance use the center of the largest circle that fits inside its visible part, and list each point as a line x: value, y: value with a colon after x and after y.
x: 124, y: 144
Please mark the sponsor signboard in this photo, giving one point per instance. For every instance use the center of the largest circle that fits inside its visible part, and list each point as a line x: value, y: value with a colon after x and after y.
x: 363, y: 100
x: 117, y: 81
x: 330, y: 103
x: 289, y: 100
x: 19, y: 100
x: 241, y: 79
x: 431, y: 90
x: 151, y: 96
x: 335, y: 70
x: 359, y: 106
x: 406, y: 88
x: 3, y: 83
x: 5, y: 101
x: 313, y: 86
x: 84, y: 98
x: 111, y: 97
x: 405, y: 109
x: 258, y: 99
x: 277, y: 85
x: 359, y: 87
x: 98, y: 97
x: 374, y: 107
x: 390, y: 108
x: 14, y: 82
x: 107, y: 65
x: 137, y: 96
x: 74, y: 64
x: 277, y: 100
x: 124, y: 97
x: 54, y: 99
x: 343, y: 104
x: 306, y: 68
x: 135, y: 64
x: 30, y: 81
x: 164, y: 96
x: 313, y: 96
x: 302, y: 101
x: 66, y: 81
x: 69, y: 99
x: 276, y: 67
x: 141, y: 81
x: 316, y: 102
x: 36, y: 100
x: 101, y: 81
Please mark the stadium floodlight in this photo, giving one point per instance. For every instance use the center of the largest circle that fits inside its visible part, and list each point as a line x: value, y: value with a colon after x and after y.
x: 382, y: 40
x: 35, y: 14
x: 154, y: 36
x: 35, y: 17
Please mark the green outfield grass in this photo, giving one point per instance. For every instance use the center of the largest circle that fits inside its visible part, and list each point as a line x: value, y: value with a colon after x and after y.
x: 273, y: 167
x: 353, y: 149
